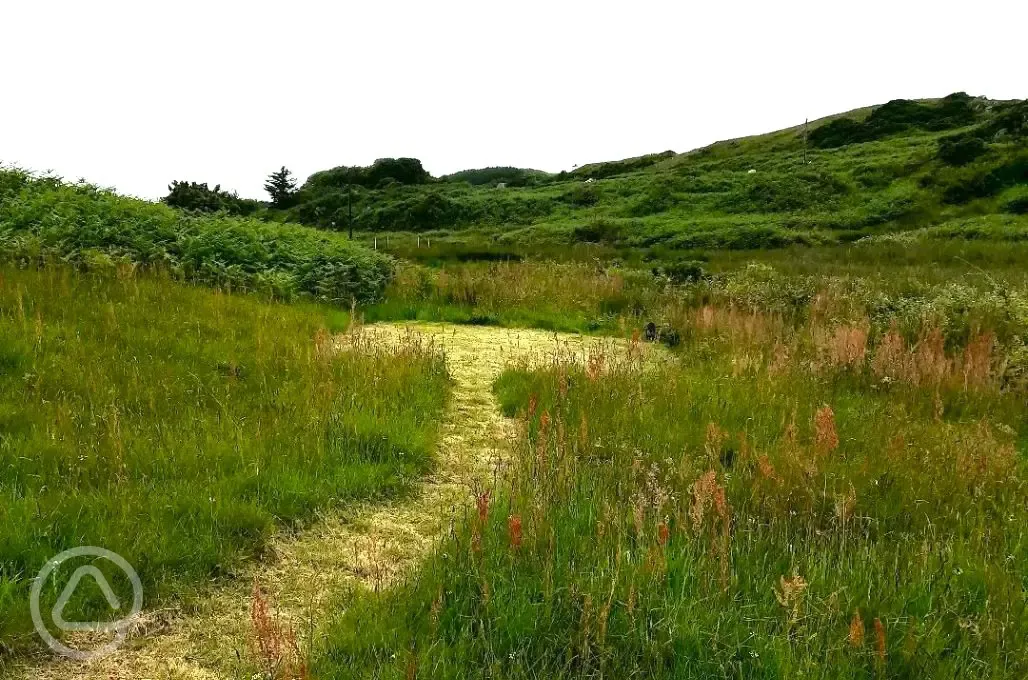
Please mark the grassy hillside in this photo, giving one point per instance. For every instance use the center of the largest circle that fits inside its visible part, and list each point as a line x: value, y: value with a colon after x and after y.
x: 884, y: 169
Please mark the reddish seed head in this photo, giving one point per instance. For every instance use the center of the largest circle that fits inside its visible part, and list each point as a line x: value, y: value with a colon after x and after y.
x: 482, y: 503
x: 662, y: 533
x: 879, y: 640
x: 514, y: 529
x: 856, y: 636
x: 826, y: 439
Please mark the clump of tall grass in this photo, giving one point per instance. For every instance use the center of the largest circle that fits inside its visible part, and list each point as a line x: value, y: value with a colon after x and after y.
x: 571, y: 296
x: 180, y: 427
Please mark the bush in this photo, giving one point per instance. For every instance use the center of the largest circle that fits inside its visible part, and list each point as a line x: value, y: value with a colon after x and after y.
x: 197, y: 197
x: 658, y: 197
x: 836, y: 133
x: 1018, y: 205
x: 682, y: 271
x: 896, y: 116
x: 1011, y: 120
x: 604, y: 170
x: 961, y: 149
x: 598, y: 231
x: 512, y: 177
x: 401, y: 170
x: 422, y: 211
x: 782, y: 192
x: 581, y: 195
x: 988, y: 180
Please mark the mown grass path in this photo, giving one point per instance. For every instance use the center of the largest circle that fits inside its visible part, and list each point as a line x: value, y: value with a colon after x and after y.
x: 370, y: 546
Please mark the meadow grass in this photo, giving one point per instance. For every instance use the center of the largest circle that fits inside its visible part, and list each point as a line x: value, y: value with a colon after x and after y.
x: 180, y: 427
x: 962, y: 288
x: 774, y: 502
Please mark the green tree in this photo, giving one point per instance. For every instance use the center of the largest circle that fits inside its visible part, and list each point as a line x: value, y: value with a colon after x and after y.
x: 198, y: 197
x: 281, y: 187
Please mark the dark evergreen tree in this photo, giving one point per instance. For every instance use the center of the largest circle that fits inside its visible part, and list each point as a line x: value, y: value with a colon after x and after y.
x: 281, y: 187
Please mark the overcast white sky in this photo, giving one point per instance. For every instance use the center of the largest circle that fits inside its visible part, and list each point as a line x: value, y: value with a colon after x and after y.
x: 136, y: 94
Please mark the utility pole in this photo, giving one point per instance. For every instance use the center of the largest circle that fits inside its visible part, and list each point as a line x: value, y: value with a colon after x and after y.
x: 805, y: 121
x: 349, y: 208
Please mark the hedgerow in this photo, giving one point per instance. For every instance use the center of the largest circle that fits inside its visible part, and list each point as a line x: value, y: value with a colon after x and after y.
x: 43, y: 218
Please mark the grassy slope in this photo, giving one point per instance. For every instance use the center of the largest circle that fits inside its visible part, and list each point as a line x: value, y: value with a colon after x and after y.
x: 179, y: 427
x: 699, y: 201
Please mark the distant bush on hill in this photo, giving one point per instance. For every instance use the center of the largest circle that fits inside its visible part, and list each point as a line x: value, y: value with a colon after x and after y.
x: 379, y: 173
x: 658, y: 197
x: 421, y: 211
x: 1011, y: 120
x: 681, y: 271
x: 581, y: 195
x: 197, y: 197
x: 895, y: 116
x: 783, y: 192
x: 512, y: 177
x: 598, y: 231
x: 43, y: 218
x: 961, y: 149
x: 982, y: 180
x: 1018, y: 205
x: 609, y: 169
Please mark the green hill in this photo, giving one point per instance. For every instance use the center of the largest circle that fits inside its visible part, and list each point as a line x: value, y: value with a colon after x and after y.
x: 899, y: 166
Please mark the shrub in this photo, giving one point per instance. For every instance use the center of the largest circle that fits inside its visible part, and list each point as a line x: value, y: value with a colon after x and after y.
x: 895, y: 116
x: 401, y: 170
x: 609, y: 169
x: 197, y: 197
x: 682, y: 271
x: 1011, y: 120
x: 987, y: 180
x: 961, y: 149
x: 782, y: 192
x: 836, y: 133
x: 1018, y: 205
x: 512, y: 177
x: 658, y: 197
x: 598, y: 231
x: 581, y: 195
x: 420, y: 212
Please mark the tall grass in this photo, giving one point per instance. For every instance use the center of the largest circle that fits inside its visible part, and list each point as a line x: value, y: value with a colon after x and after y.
x: 724, y: 517
x: 565, y: 297
x: 179, y: 427
x: 911, y: 288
